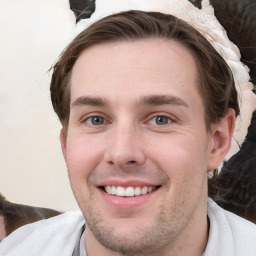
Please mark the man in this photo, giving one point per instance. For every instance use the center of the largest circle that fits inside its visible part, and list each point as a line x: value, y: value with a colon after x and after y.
x: 148, y: 108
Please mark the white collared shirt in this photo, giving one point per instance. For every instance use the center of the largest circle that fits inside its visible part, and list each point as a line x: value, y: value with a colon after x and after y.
x: 64, y: 235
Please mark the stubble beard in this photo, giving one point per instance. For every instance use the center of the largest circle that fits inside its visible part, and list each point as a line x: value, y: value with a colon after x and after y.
x: 154, y: 239
x: 159, y: 237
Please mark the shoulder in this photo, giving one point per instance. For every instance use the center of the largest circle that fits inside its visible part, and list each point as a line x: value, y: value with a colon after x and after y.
x: 230, y: 234
x: 224, y: 217
x: 46, y: 237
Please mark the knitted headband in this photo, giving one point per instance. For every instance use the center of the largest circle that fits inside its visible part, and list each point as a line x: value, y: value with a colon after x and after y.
x: 205, y: 22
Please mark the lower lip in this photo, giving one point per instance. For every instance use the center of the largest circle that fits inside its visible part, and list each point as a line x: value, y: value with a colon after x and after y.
x: 126, y: 202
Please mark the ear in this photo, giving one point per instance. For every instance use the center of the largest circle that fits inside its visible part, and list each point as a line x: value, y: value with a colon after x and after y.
x: 221, y: 134
x: 63, y: 142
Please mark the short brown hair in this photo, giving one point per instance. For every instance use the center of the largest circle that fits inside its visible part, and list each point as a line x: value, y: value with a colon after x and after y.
x: 216, y: 82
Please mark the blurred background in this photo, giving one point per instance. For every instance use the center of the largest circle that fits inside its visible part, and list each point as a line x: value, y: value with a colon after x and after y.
x: 32, y: 169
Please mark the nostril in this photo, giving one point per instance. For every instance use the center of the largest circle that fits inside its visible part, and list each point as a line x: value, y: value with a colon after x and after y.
x: 124, y: 156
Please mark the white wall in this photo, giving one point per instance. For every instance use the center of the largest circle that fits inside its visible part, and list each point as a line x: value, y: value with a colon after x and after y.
x: 32, y: 35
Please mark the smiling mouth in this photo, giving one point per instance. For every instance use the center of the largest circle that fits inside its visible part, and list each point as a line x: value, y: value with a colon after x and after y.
x: 129, y: 191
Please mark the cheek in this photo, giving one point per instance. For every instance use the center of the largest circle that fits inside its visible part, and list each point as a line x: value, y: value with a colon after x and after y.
x: 184, y: 162
x: 179, y: 155
x: 83, y: 156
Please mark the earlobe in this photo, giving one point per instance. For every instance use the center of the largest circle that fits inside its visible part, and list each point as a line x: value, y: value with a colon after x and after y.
x: 63, y: 139
x: 222, y: 136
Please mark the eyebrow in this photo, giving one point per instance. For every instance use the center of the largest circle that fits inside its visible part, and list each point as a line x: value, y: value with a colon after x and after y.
x: 154, y: 100
x: 158, y: 100
x: 91, y: 101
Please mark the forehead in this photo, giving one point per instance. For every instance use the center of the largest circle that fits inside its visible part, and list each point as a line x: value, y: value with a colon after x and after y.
x: 135, y: 69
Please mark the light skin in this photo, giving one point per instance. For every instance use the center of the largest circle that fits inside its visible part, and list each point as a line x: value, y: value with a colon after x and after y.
x: 137, y: 120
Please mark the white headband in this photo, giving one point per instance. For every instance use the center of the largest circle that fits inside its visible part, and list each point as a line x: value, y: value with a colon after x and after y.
x: 205, y: 22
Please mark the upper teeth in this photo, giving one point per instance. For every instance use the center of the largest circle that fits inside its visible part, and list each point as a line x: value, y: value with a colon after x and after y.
x: 128, y: 191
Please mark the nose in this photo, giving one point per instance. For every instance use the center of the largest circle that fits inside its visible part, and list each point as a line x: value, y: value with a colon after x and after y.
x: 125, y: 147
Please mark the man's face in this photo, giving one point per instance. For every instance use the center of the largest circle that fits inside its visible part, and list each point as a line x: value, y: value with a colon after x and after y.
x: 137, y: 148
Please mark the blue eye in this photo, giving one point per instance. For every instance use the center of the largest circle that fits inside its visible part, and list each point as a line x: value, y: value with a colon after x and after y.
x: 160, y: 120
x: 95, y: 120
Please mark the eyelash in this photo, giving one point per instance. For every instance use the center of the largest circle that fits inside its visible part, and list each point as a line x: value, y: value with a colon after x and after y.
x: 159, y: 117
x: 95, y: 117
x: 89, y: 120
